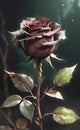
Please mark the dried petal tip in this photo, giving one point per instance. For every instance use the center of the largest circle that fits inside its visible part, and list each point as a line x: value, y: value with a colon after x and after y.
x: 62, y: 35
x: 57, y: 25
x: 17, y: 35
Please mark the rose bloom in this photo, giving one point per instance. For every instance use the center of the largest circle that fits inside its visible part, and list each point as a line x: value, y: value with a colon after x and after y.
x: 40, y: 36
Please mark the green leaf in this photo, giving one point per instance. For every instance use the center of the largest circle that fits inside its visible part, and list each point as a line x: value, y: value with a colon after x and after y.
x: 63, y: 115
x: 27, y: 109
x: 54, y: 94
x: 63, y: 76
x: 11, y: 101
x: 22, y: 82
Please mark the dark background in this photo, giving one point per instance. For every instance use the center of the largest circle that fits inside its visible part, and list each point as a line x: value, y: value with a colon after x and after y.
x: 16, y: 10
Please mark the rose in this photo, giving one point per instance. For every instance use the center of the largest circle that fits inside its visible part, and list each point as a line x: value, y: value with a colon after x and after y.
x: 40, y: 36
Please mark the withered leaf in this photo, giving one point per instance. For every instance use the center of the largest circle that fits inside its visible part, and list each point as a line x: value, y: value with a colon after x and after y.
x: 4, y: 127
x: 54, y: 94
x: 22, y: 82
x: 21, y: 123
x: 11, y: 101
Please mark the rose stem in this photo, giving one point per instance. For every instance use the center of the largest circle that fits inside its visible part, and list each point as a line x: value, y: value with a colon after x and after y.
x: 39, y: 66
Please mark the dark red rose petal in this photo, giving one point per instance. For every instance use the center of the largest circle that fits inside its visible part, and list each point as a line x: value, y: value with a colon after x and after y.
x: 42, y: 30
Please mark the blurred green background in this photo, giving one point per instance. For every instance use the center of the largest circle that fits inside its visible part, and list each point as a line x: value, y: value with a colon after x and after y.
x: 65, y: 12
